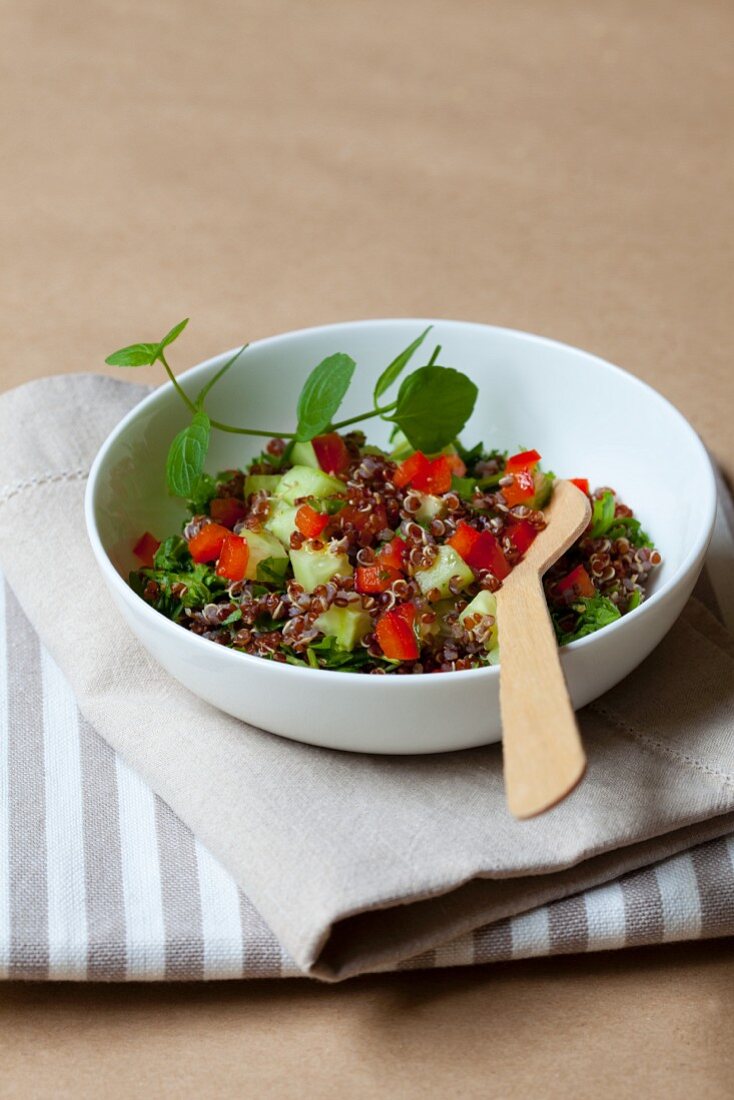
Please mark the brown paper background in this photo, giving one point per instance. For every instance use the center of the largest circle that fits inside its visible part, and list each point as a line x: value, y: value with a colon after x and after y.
x: 554, y: 165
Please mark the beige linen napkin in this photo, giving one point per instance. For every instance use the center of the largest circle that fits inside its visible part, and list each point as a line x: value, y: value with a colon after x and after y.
x: 355, y: 862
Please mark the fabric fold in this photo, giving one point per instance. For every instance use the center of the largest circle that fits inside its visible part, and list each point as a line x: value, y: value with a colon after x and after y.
x: 356, y: 863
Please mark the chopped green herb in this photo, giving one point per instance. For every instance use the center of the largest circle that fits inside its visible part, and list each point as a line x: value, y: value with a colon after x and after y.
x: 593, y: 613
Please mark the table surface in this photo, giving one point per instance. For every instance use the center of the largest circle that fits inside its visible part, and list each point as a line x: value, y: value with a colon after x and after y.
x: 259, y: 166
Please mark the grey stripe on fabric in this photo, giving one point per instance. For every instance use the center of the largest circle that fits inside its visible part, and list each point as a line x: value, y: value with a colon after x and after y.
x: 27, y: 801
x: 107, y: 938
x: 568, y: 928
x: 726, y: 501
x: 181, y: 897
x: 493, y: 943
x: 261, y: 952
x: 643, y: 908
x: 718, y: 561
x: 426, y: 961
x: 715, y: 877
x: 706, y: 593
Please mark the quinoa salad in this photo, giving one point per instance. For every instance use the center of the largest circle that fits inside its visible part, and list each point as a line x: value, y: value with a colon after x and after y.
x: 340, y: 556
x: 328, y: 552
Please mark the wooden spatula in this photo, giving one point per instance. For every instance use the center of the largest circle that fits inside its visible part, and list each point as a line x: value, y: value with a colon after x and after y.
x: 543, y: 755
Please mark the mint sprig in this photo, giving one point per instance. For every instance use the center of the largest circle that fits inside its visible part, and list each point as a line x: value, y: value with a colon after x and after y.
x: 321, y: 396
x: 392, y: 372
x: 187, y: 455
x: 432, y: 405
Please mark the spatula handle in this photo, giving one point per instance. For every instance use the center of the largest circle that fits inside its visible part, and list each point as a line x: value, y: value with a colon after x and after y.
x: 543, y: 755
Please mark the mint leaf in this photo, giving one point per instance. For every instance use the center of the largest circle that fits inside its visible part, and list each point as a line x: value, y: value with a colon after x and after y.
x: 173, y: 555
x: 327, y: 653
x: 391, y: 373
x: 220, y: 374
x: 543, y: 491
x: 630, y: 528
x: 142, y: 355
x: 204, y: 492
x: 469, y: 455
x: 233, y: 618
x: 187, y: 455
x: 463, y: 487
x: 272, y: 570
x: 434, y: 404
x: 322, y: 395
x: 602, y: 516
x: 594, y: 613
x: 172, y: 335
x: 136, y: 355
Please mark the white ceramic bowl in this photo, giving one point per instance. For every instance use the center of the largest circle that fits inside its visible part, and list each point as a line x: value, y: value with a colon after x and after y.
x: 586, y: 417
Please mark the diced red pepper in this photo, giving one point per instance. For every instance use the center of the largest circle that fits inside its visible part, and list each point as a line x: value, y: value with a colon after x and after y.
x: 487, y: 554
x: 522, y: 467
x: 227, y: 510
x: 370, y: 522
x: 457, y: 467
x: 463, y: 540
x: 233, y: 558
x: 576, y: 583
x: 525, y: 460
x: 436, y: 479
x: 206, y: 546
x: 375, y: 578
x: 310, y: 522
x: 521, y: 488
x: 145, y: 549
x: 395, y: 634
x: 581, y: 483
x: 415, y: 465
x: 480, y: 550
x: 392, y: 555
x: 521, y: 535
x: 331, y: 453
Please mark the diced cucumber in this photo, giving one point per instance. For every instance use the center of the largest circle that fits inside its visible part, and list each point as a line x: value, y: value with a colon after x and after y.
x: 303, y: 454
x: 282, y: 521
x: 254, y: 483
x: 484, y: 603
x: 431, y: 508
x: 314, y: 567
x: 494, y: 655
x: 439, y: 626
x: 448, y: 564
x: 304, y: 481
x: 347, y: 624
x: 262, y: 545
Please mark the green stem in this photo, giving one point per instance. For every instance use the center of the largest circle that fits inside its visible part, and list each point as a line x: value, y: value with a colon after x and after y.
x: 364, y: 416
x: 217, y: 423
x: 182, y: 394
x: 251, y: 431
x: 435, y: 355
x: 255, y: 431
x: 220, y: 374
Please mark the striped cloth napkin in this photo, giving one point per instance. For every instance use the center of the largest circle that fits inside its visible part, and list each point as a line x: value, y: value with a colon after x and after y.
x: 99, y: 880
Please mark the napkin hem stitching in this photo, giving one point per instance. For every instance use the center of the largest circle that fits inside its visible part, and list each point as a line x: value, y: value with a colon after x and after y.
x: 11, y: 491
x: 662, y: 748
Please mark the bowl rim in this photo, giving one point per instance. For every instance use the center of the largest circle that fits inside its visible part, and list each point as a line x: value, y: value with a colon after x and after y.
x: 695, y: 552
